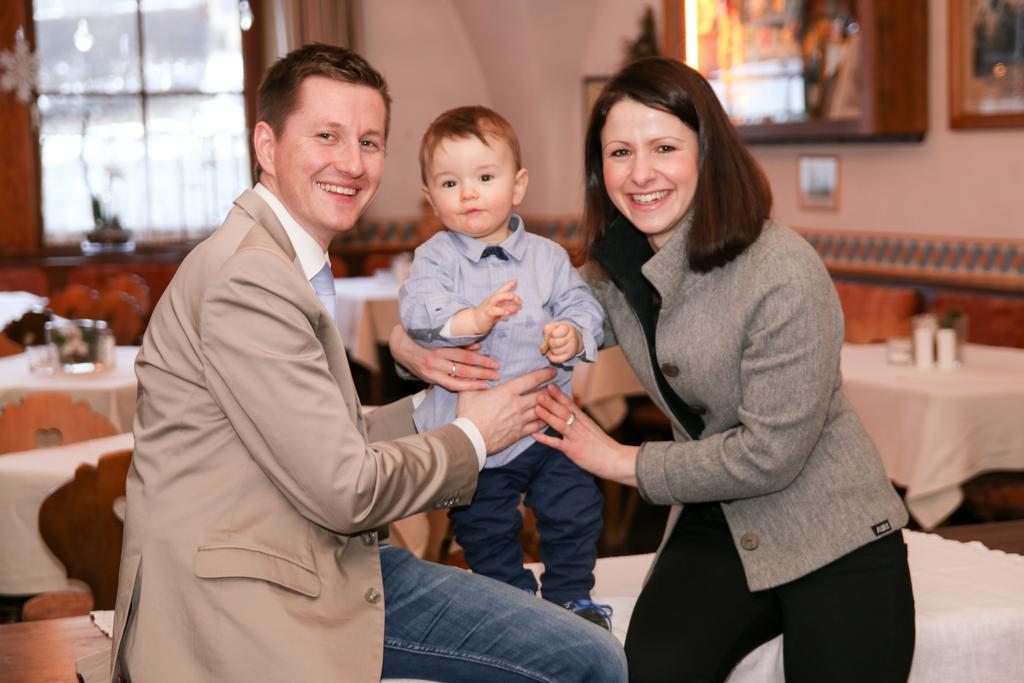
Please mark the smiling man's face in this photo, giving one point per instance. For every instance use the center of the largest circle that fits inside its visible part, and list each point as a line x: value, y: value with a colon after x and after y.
x: 326, y: 164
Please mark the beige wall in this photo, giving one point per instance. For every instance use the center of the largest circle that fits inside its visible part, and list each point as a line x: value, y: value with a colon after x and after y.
x: 524, y: 58
x: 527, y: 59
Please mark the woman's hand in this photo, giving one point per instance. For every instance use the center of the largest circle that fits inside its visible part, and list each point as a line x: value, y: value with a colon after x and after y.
x: 456, y: 369
x: 583, y: 441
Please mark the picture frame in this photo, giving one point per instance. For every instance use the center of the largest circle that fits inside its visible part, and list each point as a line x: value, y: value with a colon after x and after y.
x: 818, y: 182
x: 986, y: 64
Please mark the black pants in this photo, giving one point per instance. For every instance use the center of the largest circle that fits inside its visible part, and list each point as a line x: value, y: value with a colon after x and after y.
x: 568, y: 506
x: 852, y: 620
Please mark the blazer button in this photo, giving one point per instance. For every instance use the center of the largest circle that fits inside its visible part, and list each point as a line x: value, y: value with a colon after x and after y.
x: 749, y: 541
x: 698, y: 410
x: 369, y: 538
x: 372, y: 596
x: 669, y: 370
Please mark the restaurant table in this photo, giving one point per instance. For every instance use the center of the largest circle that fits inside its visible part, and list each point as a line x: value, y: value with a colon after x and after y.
x: 110, y: 392
x: 601, y: 387
x: 937, y: 429
x: 26, y: 564
x: 366, y: 309
x: 37, y: 651
x: 13, y: 305
x: 968, y: 603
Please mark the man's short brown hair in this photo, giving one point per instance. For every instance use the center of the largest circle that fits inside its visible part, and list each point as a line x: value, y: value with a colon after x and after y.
x: 464, y: 122
x: 279, y: 92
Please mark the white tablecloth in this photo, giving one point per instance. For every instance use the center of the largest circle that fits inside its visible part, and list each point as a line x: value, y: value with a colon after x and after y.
x: 969, y: 603
x: 111, y: 392
x: 366, y: 309
x: 936, y: 429
x: 26, y: 478
x: 13, y: 305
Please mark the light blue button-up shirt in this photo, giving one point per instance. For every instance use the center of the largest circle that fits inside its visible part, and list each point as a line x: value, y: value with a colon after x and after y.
x: 450, y: 274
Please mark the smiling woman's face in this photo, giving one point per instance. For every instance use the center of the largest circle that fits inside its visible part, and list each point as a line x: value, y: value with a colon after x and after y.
x: 649, y: 158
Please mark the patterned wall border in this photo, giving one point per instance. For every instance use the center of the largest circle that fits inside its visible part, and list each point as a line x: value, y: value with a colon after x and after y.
x: 996, y: 264
x: 403, y: 234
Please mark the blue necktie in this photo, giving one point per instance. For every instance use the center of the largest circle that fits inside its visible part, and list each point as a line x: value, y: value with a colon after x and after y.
x: 323, y: 285
x: 494, y: 251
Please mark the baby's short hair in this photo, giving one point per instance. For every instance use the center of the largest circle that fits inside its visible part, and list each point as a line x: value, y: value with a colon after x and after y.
x: 464, y: 122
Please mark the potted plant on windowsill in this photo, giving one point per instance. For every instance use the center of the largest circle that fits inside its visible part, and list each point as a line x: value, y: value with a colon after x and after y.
x: 107, y: 234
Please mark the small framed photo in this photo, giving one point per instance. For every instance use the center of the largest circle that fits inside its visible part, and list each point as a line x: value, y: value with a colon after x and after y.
x: 818, y: 181
x: 986, y: 63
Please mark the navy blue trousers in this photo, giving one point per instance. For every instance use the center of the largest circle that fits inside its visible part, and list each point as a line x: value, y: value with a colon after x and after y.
x: 568, y: 506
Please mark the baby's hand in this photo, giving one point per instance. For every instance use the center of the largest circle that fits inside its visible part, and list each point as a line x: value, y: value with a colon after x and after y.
x: 503, y: 302
x: 562, y: 341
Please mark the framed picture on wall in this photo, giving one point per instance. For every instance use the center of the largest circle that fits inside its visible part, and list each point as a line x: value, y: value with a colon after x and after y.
x: 818, y: 182
x: 986, y: 63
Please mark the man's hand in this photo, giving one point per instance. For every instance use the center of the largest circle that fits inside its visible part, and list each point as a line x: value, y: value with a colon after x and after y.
x: 453, y: 368
x: 562, y: 341
x: 482, y: 318
x: 505, y: 413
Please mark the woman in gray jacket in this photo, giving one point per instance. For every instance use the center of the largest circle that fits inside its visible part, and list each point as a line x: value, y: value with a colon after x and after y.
x: 783, y: 519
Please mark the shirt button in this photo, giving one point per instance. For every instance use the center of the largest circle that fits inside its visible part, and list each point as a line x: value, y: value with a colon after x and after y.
x: 749, y: 541
x: 669, y: 370
x: 369, y: 538
x: 372, y: 596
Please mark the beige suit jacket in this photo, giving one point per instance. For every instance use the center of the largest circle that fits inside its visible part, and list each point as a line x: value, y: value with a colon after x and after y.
x: 256, y: 481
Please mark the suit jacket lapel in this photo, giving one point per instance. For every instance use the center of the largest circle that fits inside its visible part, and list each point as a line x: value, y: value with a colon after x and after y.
x: 327, y: 332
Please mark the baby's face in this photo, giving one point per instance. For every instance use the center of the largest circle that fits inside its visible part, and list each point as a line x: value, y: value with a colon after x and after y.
x: 473, y: 187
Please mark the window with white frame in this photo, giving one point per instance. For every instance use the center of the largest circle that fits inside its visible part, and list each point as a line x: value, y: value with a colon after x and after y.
x: 142, y: 115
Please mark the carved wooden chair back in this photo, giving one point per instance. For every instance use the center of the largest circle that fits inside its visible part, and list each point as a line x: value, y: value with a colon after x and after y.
x: 123, y: 316
x: 27, y: 424
x: 78, y: 523
x: 133, y: 284
x: 75, y: 301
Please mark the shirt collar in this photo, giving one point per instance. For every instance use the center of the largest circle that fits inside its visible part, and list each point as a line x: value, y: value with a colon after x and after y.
x: 311, y: 257
x: 514, y: 245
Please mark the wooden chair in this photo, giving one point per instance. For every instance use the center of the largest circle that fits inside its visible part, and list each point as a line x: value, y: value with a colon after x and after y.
x: 998, y: 321
x: 9, y: 347
x: 24, y: 279
x: 874, y: 313
x: 376, y: 261
x: 132, y: 284
x: 123, y: 316
x: 78, y: 523
x: 75, y: 301
x: 43, y: 414
x: 338, y: 266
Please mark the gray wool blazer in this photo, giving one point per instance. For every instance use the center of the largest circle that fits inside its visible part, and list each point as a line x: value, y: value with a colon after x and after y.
x: 753, y: 347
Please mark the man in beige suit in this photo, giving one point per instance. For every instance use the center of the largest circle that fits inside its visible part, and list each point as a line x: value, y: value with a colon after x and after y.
x: 250, y: 548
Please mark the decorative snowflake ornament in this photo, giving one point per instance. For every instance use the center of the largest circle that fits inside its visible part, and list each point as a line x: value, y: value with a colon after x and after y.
x: 20, y: 69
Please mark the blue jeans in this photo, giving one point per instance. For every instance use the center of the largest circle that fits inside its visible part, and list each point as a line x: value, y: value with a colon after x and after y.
x: 446, y: 624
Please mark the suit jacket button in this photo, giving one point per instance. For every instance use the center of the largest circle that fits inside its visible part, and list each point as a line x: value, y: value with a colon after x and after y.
x: 749, y: 541
x: 372, y: 596
x: 698, y: 410
x: 369, y: 538
x: 669, y: 370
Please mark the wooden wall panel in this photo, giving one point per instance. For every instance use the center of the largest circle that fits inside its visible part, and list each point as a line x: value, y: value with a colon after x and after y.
x: 20, y: 218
